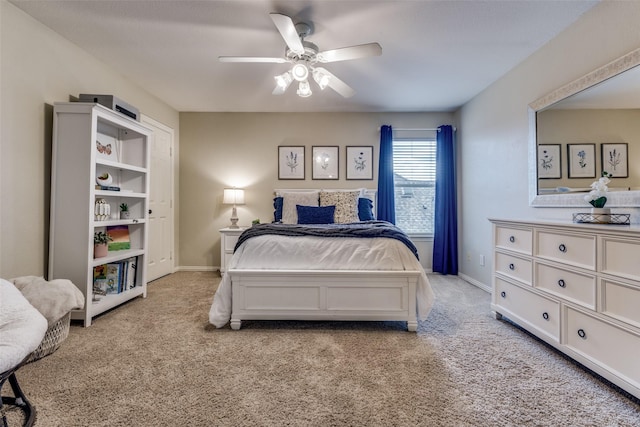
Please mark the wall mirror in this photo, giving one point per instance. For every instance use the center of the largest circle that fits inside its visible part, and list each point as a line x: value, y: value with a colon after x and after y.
x: 587, y: 126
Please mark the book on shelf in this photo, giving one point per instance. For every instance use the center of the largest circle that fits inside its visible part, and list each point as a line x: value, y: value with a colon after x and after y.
x: 115, y: 277
x: 107, y: 187
x: 120, y: 236
x: 114, y: 273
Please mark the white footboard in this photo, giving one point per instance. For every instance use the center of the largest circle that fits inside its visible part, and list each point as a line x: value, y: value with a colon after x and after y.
x: 323, y: 295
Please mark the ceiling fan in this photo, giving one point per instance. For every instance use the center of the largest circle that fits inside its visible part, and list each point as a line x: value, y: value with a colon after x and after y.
x: 305, y: 56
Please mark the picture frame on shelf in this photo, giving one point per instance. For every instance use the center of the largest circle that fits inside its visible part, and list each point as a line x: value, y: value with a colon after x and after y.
x: 359, y: 162
x: 325, y: 162
x: 291, y: 162
x: 581, y: 160
x: 549, y: 161
x: 107, y: 147
x: 615, y: 159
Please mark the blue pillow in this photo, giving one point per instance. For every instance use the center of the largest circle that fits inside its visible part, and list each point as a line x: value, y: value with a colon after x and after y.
x: 315, y: 214
x: 365, y: 209
x: 277, y: 205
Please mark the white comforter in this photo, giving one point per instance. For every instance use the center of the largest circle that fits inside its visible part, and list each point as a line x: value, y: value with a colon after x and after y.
x: 318, y: 253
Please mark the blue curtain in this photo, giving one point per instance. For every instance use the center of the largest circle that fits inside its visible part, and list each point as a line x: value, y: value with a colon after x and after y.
x: 445, y: 235
x: 386, y: 201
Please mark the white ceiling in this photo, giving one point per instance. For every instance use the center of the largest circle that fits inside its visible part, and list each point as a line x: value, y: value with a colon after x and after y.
x: 436, y: 55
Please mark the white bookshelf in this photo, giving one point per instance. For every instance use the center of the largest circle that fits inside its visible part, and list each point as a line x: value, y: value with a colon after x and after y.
x: 78, y: 128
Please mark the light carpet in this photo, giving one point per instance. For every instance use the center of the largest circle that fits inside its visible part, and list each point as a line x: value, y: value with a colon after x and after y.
x: 157, y: 362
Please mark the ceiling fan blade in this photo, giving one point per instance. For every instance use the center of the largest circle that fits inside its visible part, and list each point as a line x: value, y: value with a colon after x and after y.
x: 336, y: 84
x: 351, y: 52
x: 250, y: 59
x: 279, y: 90
x: 288, y: 31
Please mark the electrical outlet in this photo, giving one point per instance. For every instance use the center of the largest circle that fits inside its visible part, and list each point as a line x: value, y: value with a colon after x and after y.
x: 481, y: 260
x: 468, y: 256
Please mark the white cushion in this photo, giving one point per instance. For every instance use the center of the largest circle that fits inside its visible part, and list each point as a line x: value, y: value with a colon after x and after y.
x: 290, y: 200
x: 22, y: 327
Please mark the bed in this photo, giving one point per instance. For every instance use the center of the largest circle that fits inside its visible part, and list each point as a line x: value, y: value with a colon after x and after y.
x: 335, y: 264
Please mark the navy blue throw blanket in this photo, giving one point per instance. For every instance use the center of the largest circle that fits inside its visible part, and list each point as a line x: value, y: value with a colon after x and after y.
x: 364, y: 229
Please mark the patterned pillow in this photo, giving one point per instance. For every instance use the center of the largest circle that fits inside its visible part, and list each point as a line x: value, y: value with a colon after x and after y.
x: 277, y: 209
x: 346, y: 203
x: 290, y: 200
x: 315, y: 214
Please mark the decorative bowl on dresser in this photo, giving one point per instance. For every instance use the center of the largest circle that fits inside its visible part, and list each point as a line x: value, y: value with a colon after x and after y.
x: 575, y: 286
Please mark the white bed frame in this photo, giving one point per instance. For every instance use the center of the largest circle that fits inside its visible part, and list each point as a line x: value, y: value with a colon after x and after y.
x: 323, y: 295
x: 355, y: 295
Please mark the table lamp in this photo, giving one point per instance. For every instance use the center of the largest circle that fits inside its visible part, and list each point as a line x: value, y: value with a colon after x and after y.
x: 233, y: 196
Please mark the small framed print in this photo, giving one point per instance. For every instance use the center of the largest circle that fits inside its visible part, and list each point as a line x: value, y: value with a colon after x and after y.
x: 107, y: 147
x: 324, y: 162
x: 291, y: 162
x: 615, y: 160
x: 549, y: 161
x: 581, y: 160
x: 360, y: 162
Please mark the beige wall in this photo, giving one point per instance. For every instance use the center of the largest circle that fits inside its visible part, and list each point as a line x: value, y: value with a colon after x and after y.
x: 493, y: 132
x: 240, y: 149
x: 38, y: 68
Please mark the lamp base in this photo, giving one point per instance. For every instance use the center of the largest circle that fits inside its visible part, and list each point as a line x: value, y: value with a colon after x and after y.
x: 234, y: 218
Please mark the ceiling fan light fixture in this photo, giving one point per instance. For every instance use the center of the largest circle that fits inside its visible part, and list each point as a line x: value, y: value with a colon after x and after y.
x: 304, y: 89
x: 321, y: 78
x: 284, y: 80
x: 300, y: 72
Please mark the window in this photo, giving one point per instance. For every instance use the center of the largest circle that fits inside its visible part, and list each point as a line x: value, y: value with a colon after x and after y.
x: 414, y: 167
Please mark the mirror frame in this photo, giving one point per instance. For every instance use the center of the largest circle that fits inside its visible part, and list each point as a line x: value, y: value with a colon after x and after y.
x: 617, y: 198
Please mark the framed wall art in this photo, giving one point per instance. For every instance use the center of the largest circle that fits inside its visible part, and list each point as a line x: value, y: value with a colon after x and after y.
x: 107, y: 147
x: 359, y: 162
x: 324, y: 162
x: 615, y: 160
x: 549, y: 161
x: 581, y: 159
x: 291, y: 162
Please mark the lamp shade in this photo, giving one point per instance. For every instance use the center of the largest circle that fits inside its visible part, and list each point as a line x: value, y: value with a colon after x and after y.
x: 233, y: 196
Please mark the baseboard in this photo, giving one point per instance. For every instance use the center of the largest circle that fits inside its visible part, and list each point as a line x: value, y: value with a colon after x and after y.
x: 474, y: 282
x: 197, y: 268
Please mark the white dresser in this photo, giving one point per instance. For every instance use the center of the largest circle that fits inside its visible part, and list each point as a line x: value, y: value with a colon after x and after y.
x: 577, y: 287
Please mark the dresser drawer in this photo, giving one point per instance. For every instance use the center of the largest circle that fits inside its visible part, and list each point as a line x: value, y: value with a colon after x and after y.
x: 513, y: 266
x: 621, y: 257
x: 621, y: 301
x: 573, y: 249
x: 534, y: 310
x: 514, y: 239
x: 569, y: 285
x: 613, y: 348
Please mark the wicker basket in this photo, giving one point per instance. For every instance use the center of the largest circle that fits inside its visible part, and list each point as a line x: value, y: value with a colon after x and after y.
x: 54, y: 336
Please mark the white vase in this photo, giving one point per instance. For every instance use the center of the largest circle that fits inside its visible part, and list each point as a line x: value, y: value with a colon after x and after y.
x: 602, y: 215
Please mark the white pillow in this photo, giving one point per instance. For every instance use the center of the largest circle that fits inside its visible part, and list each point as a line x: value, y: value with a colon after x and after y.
x: 346, y: 203
x: 290, y: 200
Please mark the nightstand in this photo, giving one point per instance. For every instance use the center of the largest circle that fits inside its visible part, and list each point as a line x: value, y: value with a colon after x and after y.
x: 228, y: 239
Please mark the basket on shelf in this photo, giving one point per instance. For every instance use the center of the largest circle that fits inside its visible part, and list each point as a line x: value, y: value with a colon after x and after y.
x: 610, y: 218
x: 54, y: 336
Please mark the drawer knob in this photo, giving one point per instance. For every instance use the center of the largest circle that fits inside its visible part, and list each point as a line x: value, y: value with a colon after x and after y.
x: 545, y: 315
x: 562, y: 248
x: 561, y: 283
x: 512, y: 267
x: 512, y: 239
x: 582, y: 334
x: 503, y: 294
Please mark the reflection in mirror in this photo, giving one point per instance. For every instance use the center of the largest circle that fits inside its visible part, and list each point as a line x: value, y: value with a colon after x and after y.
x: 584, y: 128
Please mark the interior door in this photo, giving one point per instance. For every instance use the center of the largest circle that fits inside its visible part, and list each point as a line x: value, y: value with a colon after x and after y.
x: 160, y: 254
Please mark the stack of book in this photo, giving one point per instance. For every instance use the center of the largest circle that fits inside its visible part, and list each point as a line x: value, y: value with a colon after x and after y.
x: 115, y: 277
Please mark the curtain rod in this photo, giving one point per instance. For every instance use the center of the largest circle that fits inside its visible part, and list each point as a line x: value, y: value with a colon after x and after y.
x: 416, y: 129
